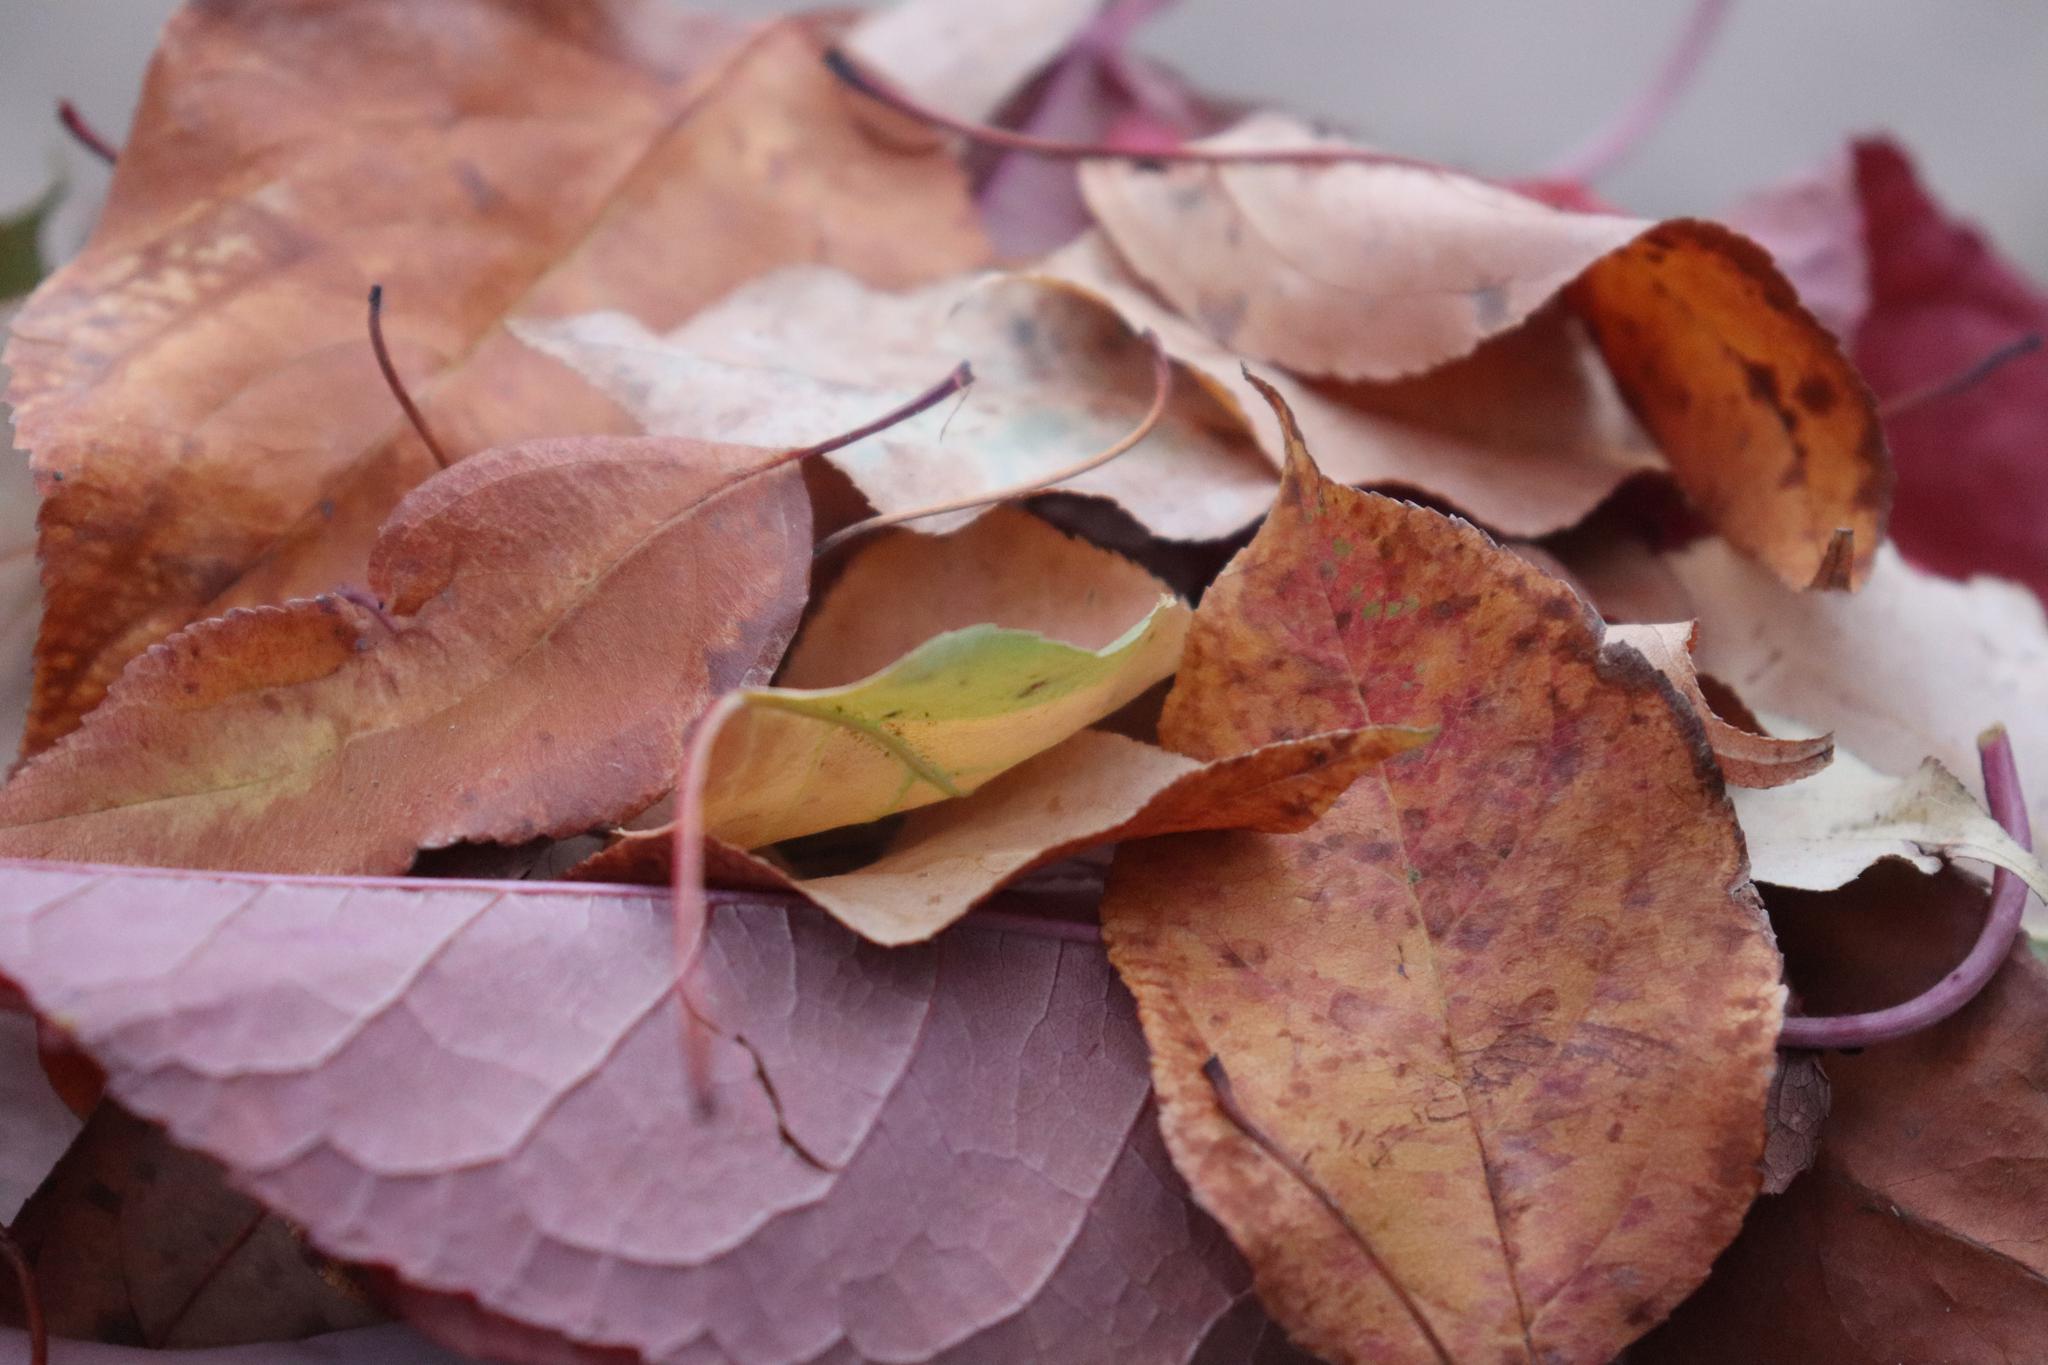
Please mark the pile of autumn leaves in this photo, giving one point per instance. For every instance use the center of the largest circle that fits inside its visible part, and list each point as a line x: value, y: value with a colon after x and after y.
x: 1460, y: 1009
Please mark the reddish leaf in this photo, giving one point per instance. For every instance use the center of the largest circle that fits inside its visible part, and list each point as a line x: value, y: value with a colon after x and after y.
x: 196, y: 387
x: 363, y: 1346
x: 1426, y: 1061
x: 554, y: 615
x: 136, y: 1240
x: 35, y: 1127
x: 942, y: 1152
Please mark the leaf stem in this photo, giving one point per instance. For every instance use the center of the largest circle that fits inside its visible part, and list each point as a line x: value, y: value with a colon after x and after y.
x: 84, y: 133
x: 1162, y: 389
x: 1608, y: 147
x: 884, y: 92
x: 394, y: 383
x: 691, y: 909
x: 31, y: 1297
x: 961, y: 377
x: 1969, y: 377
x: 1986, y: 956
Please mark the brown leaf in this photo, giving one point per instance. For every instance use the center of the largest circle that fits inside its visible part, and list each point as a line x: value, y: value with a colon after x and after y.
x: 554, y: 615
x: 196, y: 386
x: 932, y: 1153
x: 1482, y: 1122
x: 1800, y: 1098
x: 1527, y: 434
x: 1917, y: 1236
x: 1747, y: 758
x: 1383, y: 271
x: 139, y: 1242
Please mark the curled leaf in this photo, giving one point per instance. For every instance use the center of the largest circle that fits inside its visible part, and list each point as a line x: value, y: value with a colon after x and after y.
x: 1747, y: 758
x: 1823, y: 832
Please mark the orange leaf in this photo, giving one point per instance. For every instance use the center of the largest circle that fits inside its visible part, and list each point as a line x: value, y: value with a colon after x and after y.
x: 1476, y: 1068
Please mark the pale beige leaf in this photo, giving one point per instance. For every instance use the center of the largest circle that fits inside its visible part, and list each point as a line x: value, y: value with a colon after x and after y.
x: 1526, y: 436
x: 1825, y: 831
x: 1057, y: 375
x: 1912, y: 666
x: 964, y: 59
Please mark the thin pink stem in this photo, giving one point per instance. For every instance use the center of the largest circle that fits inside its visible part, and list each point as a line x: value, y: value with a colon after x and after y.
x: 86, y: 135
x: 1986, y: 956
x: 1606, y: 149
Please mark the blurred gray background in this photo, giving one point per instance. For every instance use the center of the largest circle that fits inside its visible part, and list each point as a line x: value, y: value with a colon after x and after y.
x: 1496, y: 87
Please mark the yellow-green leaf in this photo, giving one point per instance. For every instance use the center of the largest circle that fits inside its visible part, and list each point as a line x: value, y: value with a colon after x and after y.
x: 939, y: 722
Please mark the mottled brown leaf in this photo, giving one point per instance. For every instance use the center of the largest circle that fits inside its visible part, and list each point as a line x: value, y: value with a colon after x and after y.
x: 1469, y: 1118
x: 206, y: 421
x: 554, y: 615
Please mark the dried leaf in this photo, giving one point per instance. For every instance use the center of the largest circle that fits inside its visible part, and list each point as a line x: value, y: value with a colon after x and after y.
x: 21, y: 588
x: 196, y: 386
x: 1812, y: 225
x: 1094, y: 789
x: 389, y: 1345
x: 966, y: 61
x: 1747, y: 758
x: 1800, y: 1097
x: 136, y: 1241
x: 1917, y: 1235
x: 553, y: 616
x: 1012, y: 570
x: 936, y: 724
x: 1382, y: 271
x: 1527, y: 434
x: 1056, y: 376
x: 478, y: 1086
x: 1468, y: 1118
x: 1007, y: 568
x: 1937, y: 299
x: 35, y: 1127
x: 21, y: 242
x: 1823, y: 832
x: 1911, y: 667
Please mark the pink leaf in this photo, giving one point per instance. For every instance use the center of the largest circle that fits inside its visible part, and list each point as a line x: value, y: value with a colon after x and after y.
x: 942, y: 1152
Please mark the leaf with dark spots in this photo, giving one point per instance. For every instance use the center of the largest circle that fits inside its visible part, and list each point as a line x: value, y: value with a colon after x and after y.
x: 1381, y: 271
x: 134, y: 1240
x: 554, y: 615
x: 477, y: 1087
x: 196, y: 386
x: 1446, y: 1005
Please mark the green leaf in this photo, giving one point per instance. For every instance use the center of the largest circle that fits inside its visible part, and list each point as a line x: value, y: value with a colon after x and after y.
x: 22, y: 266
x: 938, y: 723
